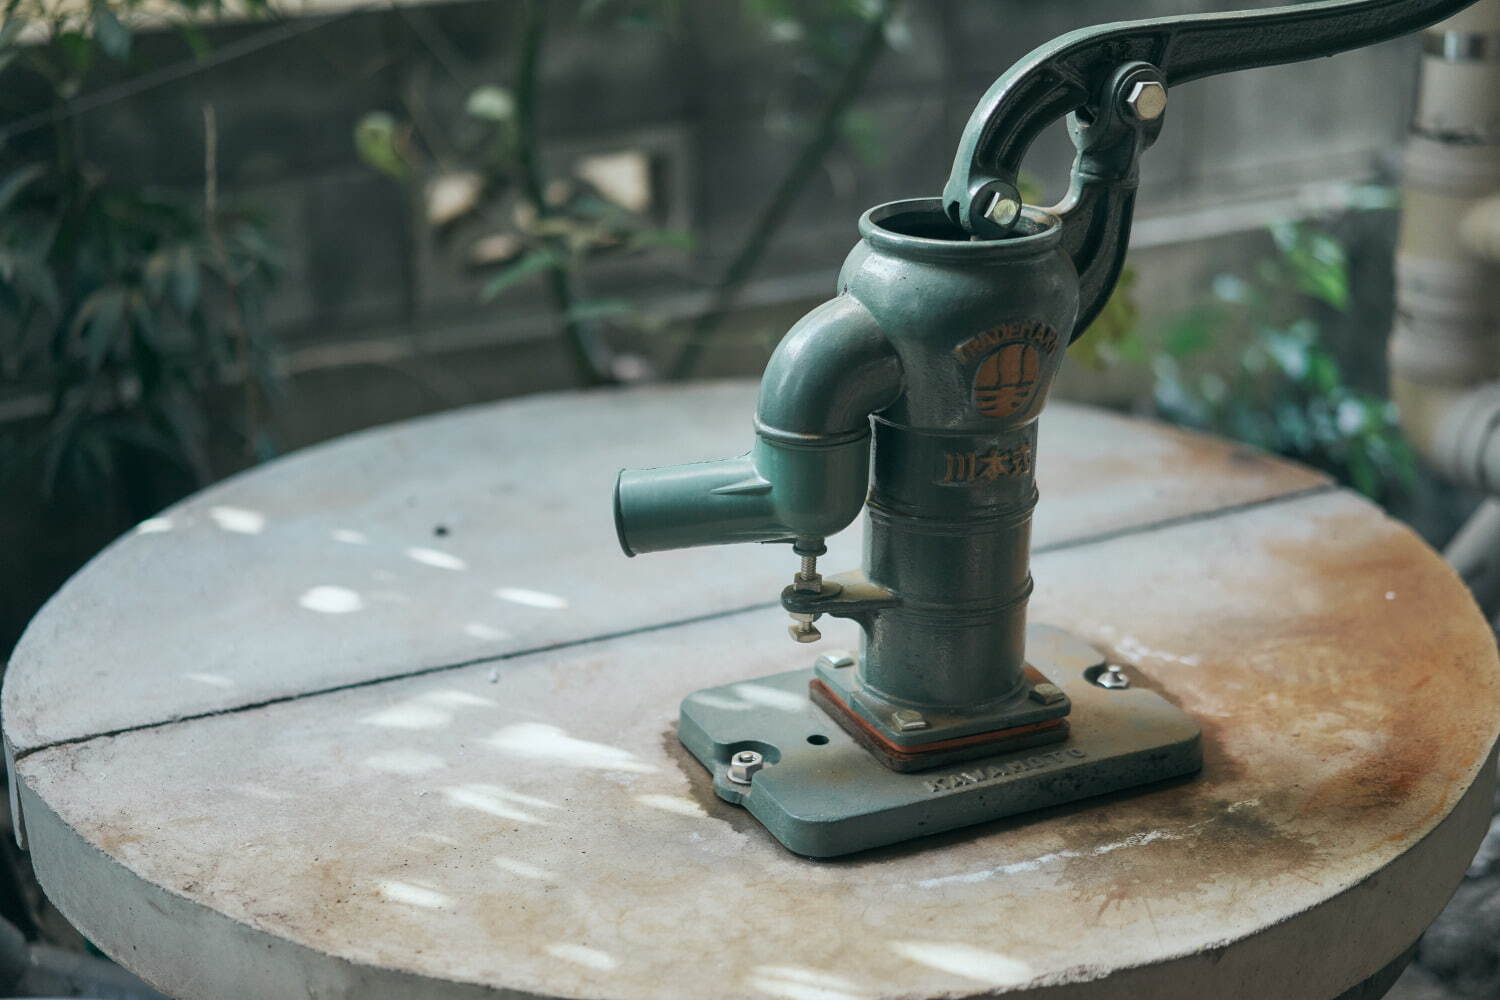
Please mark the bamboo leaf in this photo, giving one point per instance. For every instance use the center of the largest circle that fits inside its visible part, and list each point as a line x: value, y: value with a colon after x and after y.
x: 157, y: 271
x: 665, y: 239
x: 111, y: 34
x: 10, y: 30
x: 593, y: 310
x: 375, y: 142
x: 35, y: 278
x: 531, y: 263
x: 78, y: 53
x: 491, y: 103
x: 16, y: 181
x: 185, y: 422
x: 186, y: 283
x: 99, y: 322
x: 143, y: 320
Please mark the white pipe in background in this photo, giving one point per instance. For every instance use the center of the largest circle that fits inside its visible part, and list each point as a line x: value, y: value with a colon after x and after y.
x: 1445, y: 345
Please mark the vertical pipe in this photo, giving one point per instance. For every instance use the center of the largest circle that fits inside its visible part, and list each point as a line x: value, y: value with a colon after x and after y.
x: 1446, y: 338
x: 1445, y: 346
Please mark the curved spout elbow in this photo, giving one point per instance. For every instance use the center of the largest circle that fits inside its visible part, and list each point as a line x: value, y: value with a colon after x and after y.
x: 809, y: 471
x: 832, y: 370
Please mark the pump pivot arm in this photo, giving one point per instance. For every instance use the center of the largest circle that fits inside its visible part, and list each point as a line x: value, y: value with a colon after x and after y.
x: 1071, y: 74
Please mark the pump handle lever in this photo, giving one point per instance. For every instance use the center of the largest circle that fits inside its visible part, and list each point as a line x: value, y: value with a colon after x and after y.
x: 1071, y: 74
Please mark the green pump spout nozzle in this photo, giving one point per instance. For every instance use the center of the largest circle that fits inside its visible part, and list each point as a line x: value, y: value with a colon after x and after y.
x: 808, y: 473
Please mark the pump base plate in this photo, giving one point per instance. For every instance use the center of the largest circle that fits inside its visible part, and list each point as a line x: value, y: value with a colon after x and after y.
x: 822, y: 794
x: 939, y: 754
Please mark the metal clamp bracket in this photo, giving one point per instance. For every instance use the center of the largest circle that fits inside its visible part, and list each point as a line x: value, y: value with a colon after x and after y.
x: 1112, y: 81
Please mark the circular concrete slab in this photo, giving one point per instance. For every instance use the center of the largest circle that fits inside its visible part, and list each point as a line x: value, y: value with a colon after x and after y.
x: 394, y: 718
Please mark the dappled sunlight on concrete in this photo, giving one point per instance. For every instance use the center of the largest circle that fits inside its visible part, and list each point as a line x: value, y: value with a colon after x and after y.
x: 537, y: 741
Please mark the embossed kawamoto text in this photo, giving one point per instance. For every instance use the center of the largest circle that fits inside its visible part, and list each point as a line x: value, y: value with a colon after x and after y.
x: 991, y: 772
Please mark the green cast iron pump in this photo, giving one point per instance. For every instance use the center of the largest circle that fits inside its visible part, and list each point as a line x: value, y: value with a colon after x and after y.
x: 914, y: 394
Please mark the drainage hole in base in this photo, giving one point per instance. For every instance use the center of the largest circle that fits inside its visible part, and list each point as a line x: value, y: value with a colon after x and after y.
x: 817, y: 739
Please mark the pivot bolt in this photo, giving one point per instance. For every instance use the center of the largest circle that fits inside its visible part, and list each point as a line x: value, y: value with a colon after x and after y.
x: 836, y: 659
x: 808, y: 580
x: 1003, y: 211
x: 802, y: 628
x: 1048, y: 693
x: 908, y: 721
x: 743, y: 765
x: 1113, y: 677
x: 1147, y: 101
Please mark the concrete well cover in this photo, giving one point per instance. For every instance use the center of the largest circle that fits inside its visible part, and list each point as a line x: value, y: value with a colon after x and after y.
x: 393, y: 717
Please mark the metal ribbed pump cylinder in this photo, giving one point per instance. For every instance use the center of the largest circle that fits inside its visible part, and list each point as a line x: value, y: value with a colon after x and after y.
x: 980, y: 328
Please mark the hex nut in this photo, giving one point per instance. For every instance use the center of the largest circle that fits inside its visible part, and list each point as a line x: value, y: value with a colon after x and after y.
x: 743, y: 765
x: 802, y: 628
x: 1113, y: 678
x: 1147, y: 100
x: 1003, y: 211
x: 804, y: 632
x: 1047, y: 693
x: 908, y: 721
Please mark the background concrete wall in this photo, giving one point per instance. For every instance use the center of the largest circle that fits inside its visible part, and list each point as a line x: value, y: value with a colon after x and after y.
x: 381, y: 322
x: 704, y: 102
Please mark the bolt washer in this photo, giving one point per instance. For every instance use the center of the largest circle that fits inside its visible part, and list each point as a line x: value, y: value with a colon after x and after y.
x: 743, y: 766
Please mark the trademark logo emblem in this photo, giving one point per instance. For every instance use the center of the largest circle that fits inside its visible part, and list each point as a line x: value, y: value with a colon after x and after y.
x: 1009, y: 372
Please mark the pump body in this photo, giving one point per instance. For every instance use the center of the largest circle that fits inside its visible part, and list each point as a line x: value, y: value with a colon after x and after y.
x: 915, y: 394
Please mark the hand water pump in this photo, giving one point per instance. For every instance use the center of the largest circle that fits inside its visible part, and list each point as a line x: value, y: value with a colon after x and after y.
x: 914, y: 394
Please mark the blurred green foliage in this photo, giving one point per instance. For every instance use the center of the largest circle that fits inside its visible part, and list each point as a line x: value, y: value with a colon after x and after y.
x: 128, y: 307
x: 481, y: 185
x: 485, y: 188
x: 1116, y: 322
x: 1282, y: 388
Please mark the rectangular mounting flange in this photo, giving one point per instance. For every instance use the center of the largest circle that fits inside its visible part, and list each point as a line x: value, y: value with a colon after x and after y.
x: 822, y: 794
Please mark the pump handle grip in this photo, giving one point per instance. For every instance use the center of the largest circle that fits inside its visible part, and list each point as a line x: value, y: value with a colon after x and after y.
x: 1070, y: 75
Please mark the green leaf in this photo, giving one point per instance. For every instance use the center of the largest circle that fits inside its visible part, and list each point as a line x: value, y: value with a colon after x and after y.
x: 17, y: 180
x: 1108, y: 336
x: 144, y: 322
x: 666, y: 239
x: 197, y: 41
x: 861, y: 130
x: 62, y: 430
x: 592, y: 310
x: 76, y: 50
x: 1030, y: 186
x: 185, y: 421
x: 99, y: 323
x: 186, y: 283
x: 10, y: 30
x: 156, y: 273
x: 375, y: 142
x: 35, y: 279
x: 530, y: 263
x: 111, y: 34
x: 1193, y: 334
x: 1318, y: 264
x: 491, y: 103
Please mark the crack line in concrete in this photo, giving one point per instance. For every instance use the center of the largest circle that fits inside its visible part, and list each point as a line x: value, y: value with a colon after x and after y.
x: 1062, y: 546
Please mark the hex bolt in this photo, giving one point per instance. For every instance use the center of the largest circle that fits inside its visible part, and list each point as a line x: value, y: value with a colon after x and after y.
x: 1113, y: 677
x: 802, y: 628
x: 743, y: 765
x: 1147, y: 101
x: 836, y: 659
x: 908, y: 721
x: 1003, y: 211
x: 807, y: 580
x: 1047, y: 693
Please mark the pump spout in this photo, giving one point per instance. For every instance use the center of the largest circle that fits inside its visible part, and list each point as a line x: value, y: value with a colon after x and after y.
x: 807, y: 475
